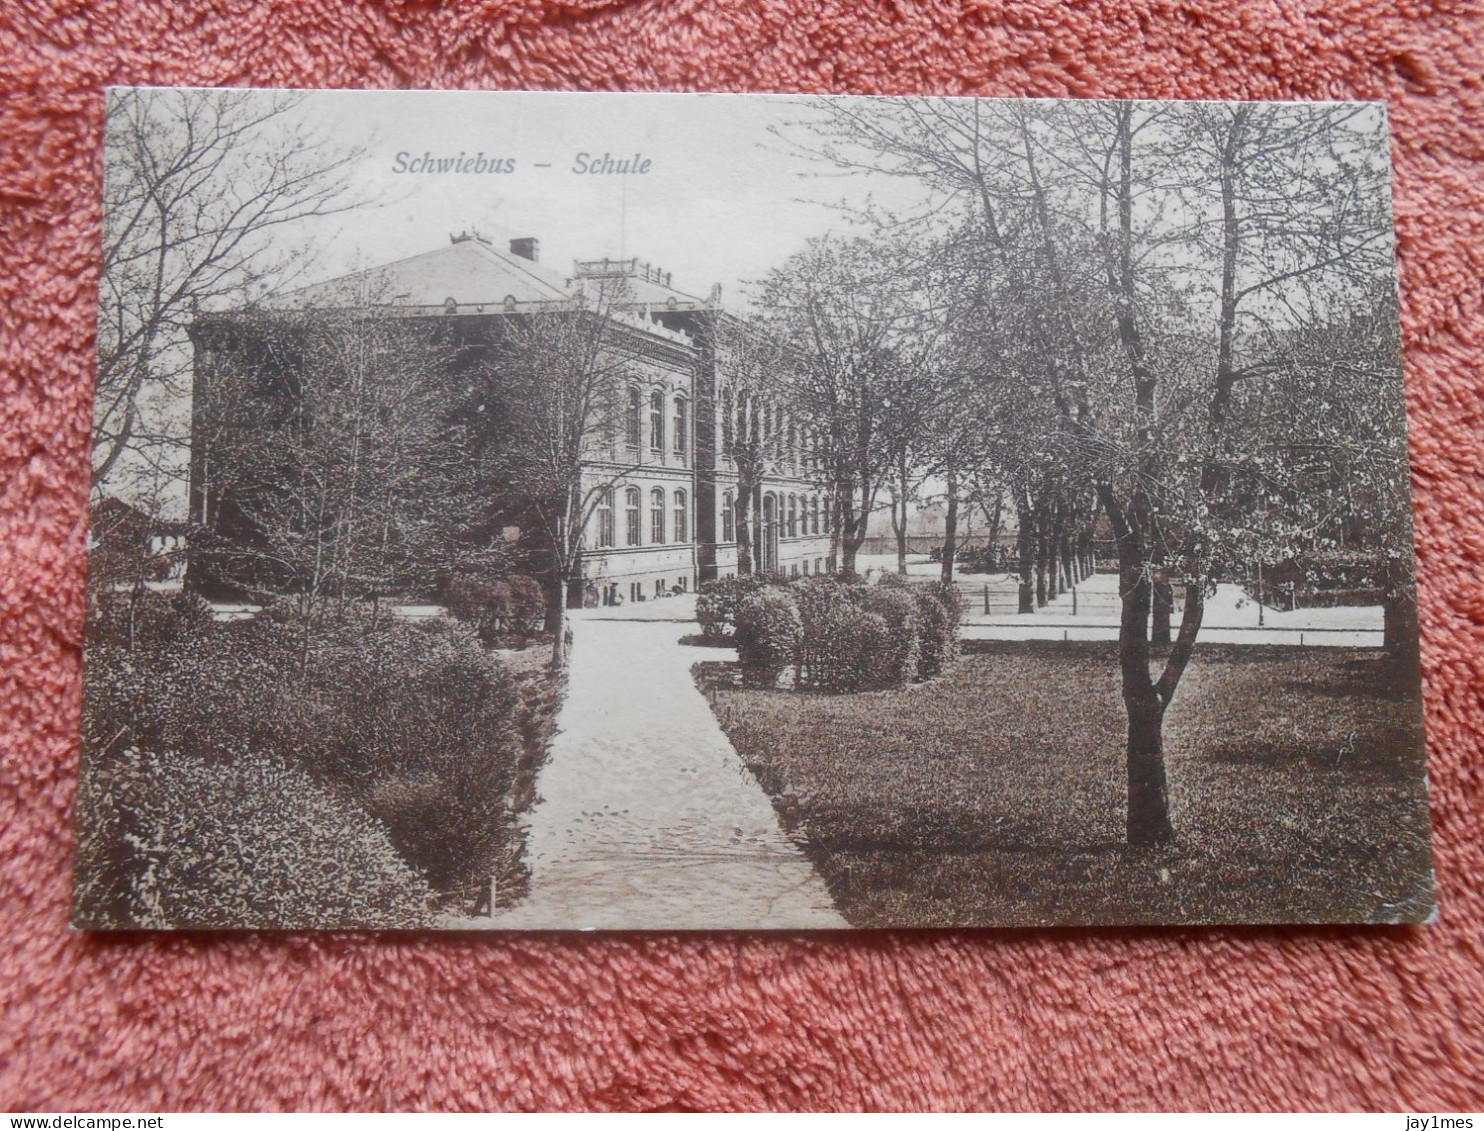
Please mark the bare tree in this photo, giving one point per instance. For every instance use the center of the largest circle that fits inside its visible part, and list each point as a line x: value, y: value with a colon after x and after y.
x: 195, y: 184
x: 852, y: 328
x: 325, y: 453
x: 756, y: 368
x: 562, y: 375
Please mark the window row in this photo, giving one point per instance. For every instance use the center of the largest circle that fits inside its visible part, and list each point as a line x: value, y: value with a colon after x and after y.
x: 634, y: 420
x: 801, y: 515
x: 747, y: 420
x: 678, y: 514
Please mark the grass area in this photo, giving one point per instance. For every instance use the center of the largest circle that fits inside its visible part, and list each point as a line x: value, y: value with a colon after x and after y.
x: 995, y: 793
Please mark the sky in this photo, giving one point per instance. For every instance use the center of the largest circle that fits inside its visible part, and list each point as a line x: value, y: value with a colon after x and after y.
x: 722, y: 201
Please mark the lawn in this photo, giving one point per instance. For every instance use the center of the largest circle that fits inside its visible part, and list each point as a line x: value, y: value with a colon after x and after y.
x: 995, y: 793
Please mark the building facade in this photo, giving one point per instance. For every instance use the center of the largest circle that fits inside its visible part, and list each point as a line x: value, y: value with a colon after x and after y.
x: 664, y: 475
x: 681, y: 438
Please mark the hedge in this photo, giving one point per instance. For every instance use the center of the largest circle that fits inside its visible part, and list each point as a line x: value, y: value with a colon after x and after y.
x: 851, y: 650
x: 940, y: 609
x: 172, y: 840
x: 497, y: 606
x: 718, y: 601
x: 768, y: 635
x: 902, y: 650
x: 415, y: 724
x: 842, y: 635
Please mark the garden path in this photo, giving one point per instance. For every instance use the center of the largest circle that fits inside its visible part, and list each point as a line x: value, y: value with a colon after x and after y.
x: 647, y: 817
x: 1231, y: 616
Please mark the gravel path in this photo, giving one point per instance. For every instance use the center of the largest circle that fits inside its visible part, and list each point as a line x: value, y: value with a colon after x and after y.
x: 647, y: 818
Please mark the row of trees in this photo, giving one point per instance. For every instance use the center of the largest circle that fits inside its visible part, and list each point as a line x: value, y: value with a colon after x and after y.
x: 1174, y: 320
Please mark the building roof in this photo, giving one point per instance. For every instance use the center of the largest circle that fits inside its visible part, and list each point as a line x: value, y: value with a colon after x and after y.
x: 467, y: 270
x: 644, y: 285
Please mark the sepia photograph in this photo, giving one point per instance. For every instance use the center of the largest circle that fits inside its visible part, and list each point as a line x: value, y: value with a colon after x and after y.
x: 538, y: 511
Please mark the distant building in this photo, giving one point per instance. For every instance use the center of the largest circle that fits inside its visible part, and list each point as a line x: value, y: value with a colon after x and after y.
x: 666, y: 518
x: 128, y: 547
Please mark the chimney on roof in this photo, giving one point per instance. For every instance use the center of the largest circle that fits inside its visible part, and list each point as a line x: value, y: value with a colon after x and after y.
x: 527, y: 247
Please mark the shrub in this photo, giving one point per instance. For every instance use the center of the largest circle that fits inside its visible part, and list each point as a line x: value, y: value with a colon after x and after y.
x: 818, y: 598
x: 939, y: 609
x: 145, y: 618
x: 527, y: 603
x: 952, y: 599
x: 415, y: 722
x: 497, y: 606
x: 423, y: 702
x: 897, y: 607
x: 816, y: 595
x: 975, y: 559
x: 850, y: 649
x: 168, y: 840
x: 718, y: 601
x: 938, y: 635
x: 768, y: 635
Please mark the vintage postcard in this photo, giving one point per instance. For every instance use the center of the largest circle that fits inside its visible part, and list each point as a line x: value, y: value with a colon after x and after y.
x: 558, y: 511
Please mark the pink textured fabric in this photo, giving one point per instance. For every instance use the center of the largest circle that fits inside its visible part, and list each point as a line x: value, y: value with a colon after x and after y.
x: 1365, y: 1018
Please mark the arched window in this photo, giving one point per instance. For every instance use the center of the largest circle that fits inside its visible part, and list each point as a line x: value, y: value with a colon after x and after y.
x: 793, y: 447
x: 605, y: 519
x: 744, y: 437
x: 680, y: 517
x: 814, y: 515
x: 728, y: 517
x: 682, y: 422
x: 634, y: 420
x: 726, y: 422
x: 778, y: 432
x: 793, y: 516
x: 657, y: 516
x: 657, y: 422
x: 632, y: 530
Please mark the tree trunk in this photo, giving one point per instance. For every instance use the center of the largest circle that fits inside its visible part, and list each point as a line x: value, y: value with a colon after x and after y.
x: 557, y: 619
x: 1164, y: 604
x: 950, y: 528
x: 852, y: 532
x: 1024, y: 544
x: 996, y: 520
x: 1148, y: 790
x: 899, y: 529
x: 743, y: 508
x: 1400, y: 626
x: 1040, y: 564
x: 901, y: 496
x: 1053, y: 555
x: 848, y: 549
x: 833, y: 560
